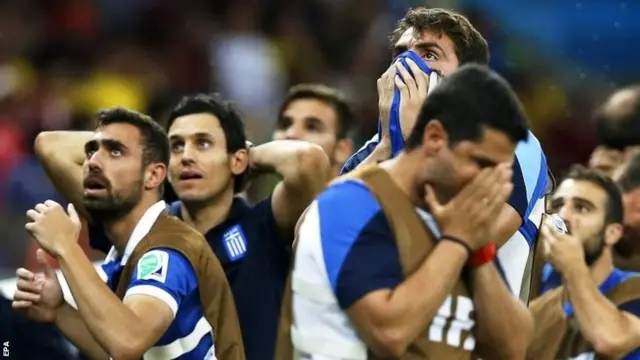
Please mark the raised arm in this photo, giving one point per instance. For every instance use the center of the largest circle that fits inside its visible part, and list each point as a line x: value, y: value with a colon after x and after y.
x: 61, y: 153
x: 305, y: 171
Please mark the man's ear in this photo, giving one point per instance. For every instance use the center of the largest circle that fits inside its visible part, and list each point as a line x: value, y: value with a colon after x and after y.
x: 155, y: 175
x: 239, y: 161
x: 613, y: 234
x: 434, y: 137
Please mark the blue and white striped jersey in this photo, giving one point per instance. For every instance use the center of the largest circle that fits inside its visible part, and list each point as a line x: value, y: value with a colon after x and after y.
x: 168, y: 276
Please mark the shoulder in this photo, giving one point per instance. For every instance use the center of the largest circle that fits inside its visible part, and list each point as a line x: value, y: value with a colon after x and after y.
x: 156, y: 264
x: 347, y: 202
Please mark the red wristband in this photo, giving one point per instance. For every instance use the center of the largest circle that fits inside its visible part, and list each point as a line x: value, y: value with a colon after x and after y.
x: 483, y: 256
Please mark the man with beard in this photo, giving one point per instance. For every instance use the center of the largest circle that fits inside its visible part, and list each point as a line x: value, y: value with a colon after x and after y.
x: 161, y: 292
x: 627, y: 250
x: 351, y: 295
x: 618, y: 130
x: 445, y: 40
x: 579, y: 302
x: 207, y: 167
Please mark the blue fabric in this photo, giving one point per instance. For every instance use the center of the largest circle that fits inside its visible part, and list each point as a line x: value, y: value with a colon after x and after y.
x: 395, y: 131
x: 344, y: 210
x: 360, y: 155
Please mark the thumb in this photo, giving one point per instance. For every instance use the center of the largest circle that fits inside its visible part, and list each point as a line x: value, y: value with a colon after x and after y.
x: 41, y: 257
x: 73, y: 214
x: 432, y: 201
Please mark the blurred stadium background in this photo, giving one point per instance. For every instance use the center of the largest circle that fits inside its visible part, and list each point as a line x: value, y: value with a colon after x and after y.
x: 60, y: 60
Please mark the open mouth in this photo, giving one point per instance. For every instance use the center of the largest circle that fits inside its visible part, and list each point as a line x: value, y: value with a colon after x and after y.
x: 94, y: 184
x: 190, y: 175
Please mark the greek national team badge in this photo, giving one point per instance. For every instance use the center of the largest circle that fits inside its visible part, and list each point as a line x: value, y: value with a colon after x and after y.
x: 235, y: 243
x: 153, y: 266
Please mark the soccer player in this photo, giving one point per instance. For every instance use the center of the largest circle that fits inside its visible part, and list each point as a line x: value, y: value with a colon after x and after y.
x: 627, y: 250
x: 208, y: 162
x: 618, y: 130
x: 347, y: 249
x: 315, y: 113
x: 321, y: 115
x: 161, y: 292
x: 445, y: 40
x: 580, y: 268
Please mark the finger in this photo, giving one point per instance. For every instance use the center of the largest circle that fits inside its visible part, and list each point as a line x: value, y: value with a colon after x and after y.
x: 421, y: 78
x: 40, y: 207
x: 476, y: 192
x: 401, y: 86
x: 21, y: 305
x: 73, y: 214
x: 432, y: 201
x: 34, y: 214
x: 408, y: 79
x: 52, y: 204
x: 25, y: 274
x: 21, y: 295
x: 28, y: 285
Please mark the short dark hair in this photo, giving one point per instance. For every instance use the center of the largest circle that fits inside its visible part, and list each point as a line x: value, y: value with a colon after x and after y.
x: 472, y: 97
x: 614, y: 208
x: 228, y: 115
x: 629, y: 178
x: 469, y: 44
x: 619, y: 127
x: 155, y: 142
x: 328, y: 95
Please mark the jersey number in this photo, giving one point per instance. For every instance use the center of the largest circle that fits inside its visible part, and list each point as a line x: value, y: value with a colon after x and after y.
x: 449, y: 328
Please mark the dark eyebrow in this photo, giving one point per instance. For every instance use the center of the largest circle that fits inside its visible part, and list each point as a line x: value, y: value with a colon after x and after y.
x: 427, y: 45
x: 200, y: 134
x: 110, y: 144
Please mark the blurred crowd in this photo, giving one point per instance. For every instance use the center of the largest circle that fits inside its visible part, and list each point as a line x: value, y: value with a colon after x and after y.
x: 60, y: 60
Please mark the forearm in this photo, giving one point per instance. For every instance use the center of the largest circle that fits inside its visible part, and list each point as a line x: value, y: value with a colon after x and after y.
x: 495, y: 329
x: 288, y: 158
x: 111, y: 323
x: 61, y: 153
x: 599, y: 320
x: 69, y: 322
x: 410, y: 307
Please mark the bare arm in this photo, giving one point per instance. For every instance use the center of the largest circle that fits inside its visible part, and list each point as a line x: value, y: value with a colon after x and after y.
x: 71, y: 325
x: 611, y: 332
x: 62, y: 155
x: 389, y: 320
x: 509, y: 221
x: 125, y: 330
x: 496, y: 328
x: 305, y: 171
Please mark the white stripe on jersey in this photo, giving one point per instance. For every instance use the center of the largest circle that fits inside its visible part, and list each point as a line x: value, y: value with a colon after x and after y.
x: 180, y: 346
x: 157, y: 293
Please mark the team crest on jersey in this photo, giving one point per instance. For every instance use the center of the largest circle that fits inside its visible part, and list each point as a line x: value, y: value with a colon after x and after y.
x: 153, y: 266
x: 235, y: 243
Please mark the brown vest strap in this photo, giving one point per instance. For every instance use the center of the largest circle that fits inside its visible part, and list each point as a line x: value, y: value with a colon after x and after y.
x: 536, y: 268
x: 625, y: 292
x: 403, y: 218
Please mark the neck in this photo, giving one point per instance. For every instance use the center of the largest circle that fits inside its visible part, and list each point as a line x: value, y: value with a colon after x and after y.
x: 402, y: 169
x: 602, y: 267
x: 203, y: 216
x: 119, y: 231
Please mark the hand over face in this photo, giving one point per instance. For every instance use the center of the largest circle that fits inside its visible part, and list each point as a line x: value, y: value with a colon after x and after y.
x: 563, y: 251
x: 471, y: 214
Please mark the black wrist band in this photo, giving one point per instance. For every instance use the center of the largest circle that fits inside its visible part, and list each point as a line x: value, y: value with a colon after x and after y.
x: 457, y: 241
